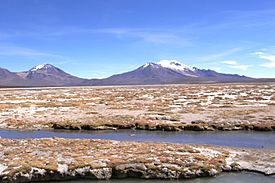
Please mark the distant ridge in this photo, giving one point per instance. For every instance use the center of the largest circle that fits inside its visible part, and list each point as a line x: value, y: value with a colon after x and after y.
x: 169, y: 72
x: 162, y: 72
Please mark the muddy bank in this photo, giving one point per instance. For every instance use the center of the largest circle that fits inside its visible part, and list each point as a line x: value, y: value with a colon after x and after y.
x: 62, y: 159
x: 137, y: 124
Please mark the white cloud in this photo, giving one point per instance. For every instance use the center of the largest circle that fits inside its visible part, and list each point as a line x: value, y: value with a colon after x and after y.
x: 241, y: 67
x: 230, y: 62
x: 268, y: 65
x: 267, y: 57
x: 21, y: 51
x: 258, y: 53
x: 12, y: 50
x: 235, y: 65
x: 220, y: 55
x: 147, y: 35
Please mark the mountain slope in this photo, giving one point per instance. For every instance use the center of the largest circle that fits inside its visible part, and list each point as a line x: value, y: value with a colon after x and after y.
x: 49, y: 75
x: 211, y: 75
x: 8, y: 78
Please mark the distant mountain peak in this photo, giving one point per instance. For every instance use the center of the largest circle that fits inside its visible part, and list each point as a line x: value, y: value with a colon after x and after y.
x: 150, y: 64
x: 41, y: 66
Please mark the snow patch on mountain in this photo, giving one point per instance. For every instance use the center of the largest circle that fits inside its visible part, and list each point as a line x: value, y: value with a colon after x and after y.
x: 146, y: 65
x: 42, y: 66
x: 173, y: 64
x: 38, y: 67
x: 151, y: 64
x: 177, y: 66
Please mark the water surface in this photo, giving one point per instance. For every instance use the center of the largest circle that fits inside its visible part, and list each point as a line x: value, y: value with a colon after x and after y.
x: 221, y: 138
x: 223, y: 178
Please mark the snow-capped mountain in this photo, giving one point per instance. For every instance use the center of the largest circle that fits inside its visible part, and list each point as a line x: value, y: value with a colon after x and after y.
x: 46, y: 69
x: 49, y: 75
x: 150, y: 73
x: 170, y: 72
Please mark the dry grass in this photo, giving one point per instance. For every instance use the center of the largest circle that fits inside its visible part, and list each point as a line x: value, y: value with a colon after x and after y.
x: 219, y: 105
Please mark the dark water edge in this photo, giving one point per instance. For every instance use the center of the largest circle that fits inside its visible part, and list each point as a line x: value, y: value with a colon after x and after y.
x: 246, y: 139
x: 243, y: 177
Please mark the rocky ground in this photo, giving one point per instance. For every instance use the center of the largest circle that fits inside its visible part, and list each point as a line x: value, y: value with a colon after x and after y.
x: 62, y: 159
x: 171, y: 107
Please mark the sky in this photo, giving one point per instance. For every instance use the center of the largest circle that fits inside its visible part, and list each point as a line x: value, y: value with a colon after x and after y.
x: 98, y: 38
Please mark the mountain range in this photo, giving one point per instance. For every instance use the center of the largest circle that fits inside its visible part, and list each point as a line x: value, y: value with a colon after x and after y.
x: 163, y: 72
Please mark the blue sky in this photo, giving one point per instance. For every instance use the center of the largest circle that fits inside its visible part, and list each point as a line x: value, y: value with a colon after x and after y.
x: 98, y: 38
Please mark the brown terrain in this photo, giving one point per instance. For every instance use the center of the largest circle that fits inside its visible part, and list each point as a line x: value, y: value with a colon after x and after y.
x: 167, y: 108
x: 62, y: 159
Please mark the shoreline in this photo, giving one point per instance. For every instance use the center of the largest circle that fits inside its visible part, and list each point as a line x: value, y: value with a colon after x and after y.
x: 167, y: 127
x: 152, y: 127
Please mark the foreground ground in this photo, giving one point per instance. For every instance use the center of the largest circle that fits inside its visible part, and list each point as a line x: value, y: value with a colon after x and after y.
x: 62, y: 159
x: 172, y: 107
